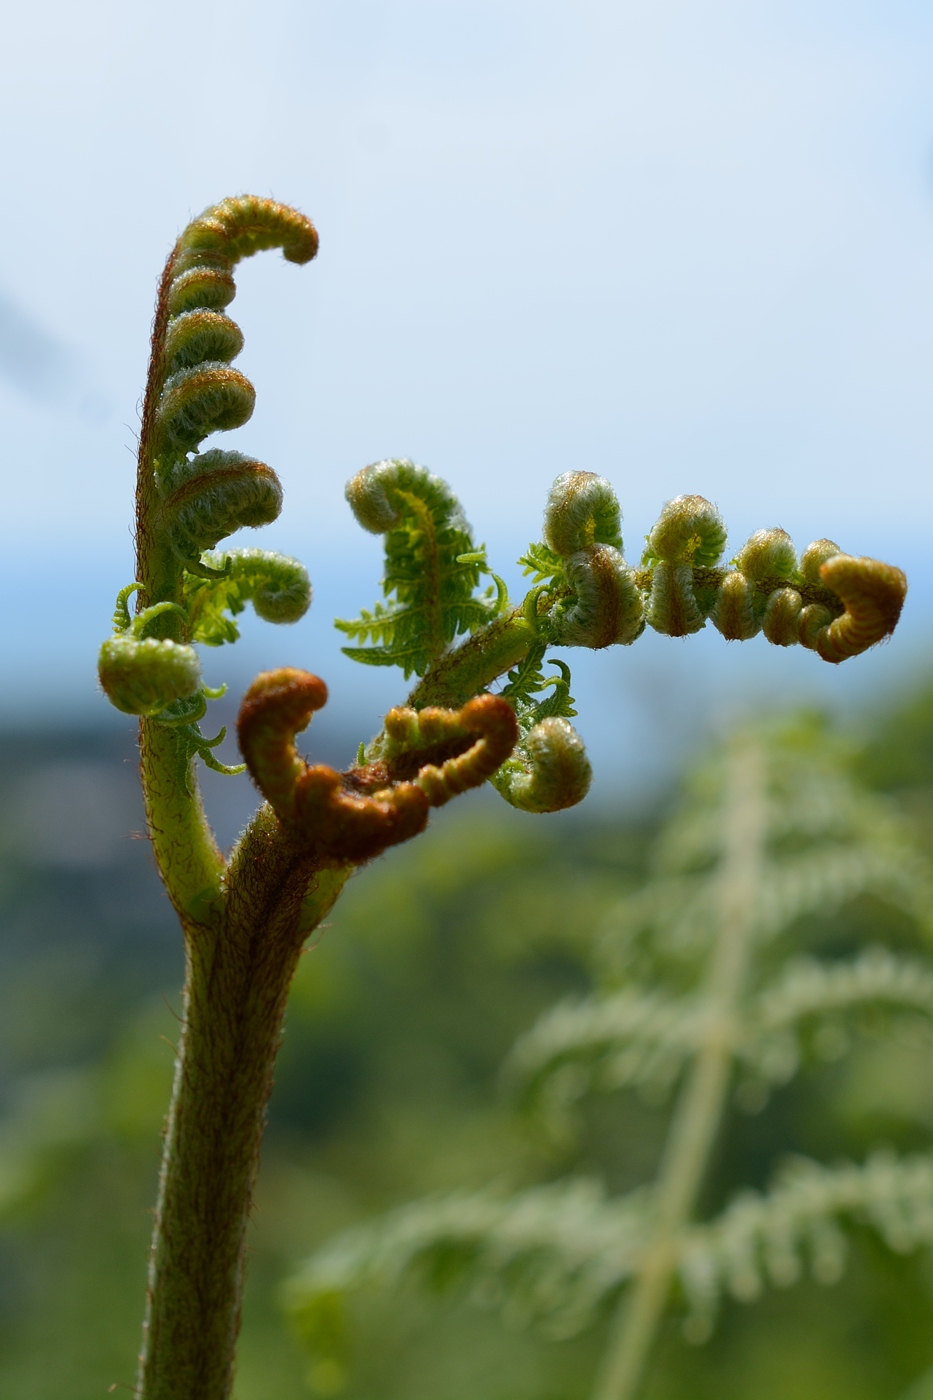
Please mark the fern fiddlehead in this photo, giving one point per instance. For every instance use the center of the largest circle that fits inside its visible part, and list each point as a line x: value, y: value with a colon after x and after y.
x: 245, y: 917
x: 431, y: 571
x: 584, y: 593
x: 429, y: 757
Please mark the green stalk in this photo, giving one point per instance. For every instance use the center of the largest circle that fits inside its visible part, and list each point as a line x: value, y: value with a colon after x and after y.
x: 239, y: 970
x: 470, y: 668
x: 697, y: 1115
x: 244, y: 925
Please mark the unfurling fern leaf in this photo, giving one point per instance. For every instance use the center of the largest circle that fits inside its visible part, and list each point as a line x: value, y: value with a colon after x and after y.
x: 188, y: 501
x: 590, y: 597
x: 431, y: 584
x: 278, y: 588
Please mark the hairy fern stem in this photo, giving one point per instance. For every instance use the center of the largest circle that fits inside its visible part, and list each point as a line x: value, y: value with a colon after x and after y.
x: 238, y: 974
x: 695, y: 1121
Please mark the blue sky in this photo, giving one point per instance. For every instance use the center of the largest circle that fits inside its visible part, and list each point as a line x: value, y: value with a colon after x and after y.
x: 689, y: 246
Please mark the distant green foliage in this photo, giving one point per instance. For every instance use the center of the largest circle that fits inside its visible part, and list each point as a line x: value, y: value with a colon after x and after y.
x: 699, y: 984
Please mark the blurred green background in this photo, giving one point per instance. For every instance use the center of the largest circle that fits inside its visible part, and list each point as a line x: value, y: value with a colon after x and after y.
x: 388, y: 1088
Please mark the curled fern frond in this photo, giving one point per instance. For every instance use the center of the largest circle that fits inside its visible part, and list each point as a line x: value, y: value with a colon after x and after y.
x: 550, y: 1254
x: 200, y: 281
x: 873, y: 595
x: 689, y: 530
x: 196, y: 336
x: 143, y: 675
x: 418, y: 744
x: 206, y: 398
x: 581, y: 510
x: 277, y: 586
x: 246, y: 224
x: 769, y: 1239
x: 210, y: 495
x: 429, y: 756
x: 548, y: 771
x: 432, y: 568
x: 277, y: 706
x: 194, y: 390
x: 590, y: 598
x: 828, y: 602
x: 604, y: 608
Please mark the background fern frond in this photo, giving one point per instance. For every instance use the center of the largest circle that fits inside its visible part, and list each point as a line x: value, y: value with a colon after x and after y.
x: 761, y: 1239
x: 817, y: 1002
x: 637, y: 1037
x: 823, y: 880
x: 809, y: 988
x: 550, y: 1254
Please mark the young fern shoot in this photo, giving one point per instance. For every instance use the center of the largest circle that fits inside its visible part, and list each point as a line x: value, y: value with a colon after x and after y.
x: 701, y: 996
x: 245, y: 917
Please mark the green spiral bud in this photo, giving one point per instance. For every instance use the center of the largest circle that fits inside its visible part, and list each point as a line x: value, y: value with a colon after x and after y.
x: 689, y: 530
x: 873, y: 595
x: 381, y: 495
x: 581, y: 510
x: 201, y: 281
x: 734, y: 611
x: 548, y: 771
x: 768, y: 554
x: 815, y: 556
x: 239, y: 227
x: 207, y: 398
x: 781, y: 622
x: 141, y: 676
x: 606, y: 607
x: 201, y: 335
x: 813, y: 619
x: 210, y: 495
x: 672, y: 607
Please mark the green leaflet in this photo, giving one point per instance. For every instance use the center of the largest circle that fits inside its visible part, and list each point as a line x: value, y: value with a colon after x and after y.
x: 542, y: 563
x: 430, y: 585
x: 277, y: 586
x: 528, y: 680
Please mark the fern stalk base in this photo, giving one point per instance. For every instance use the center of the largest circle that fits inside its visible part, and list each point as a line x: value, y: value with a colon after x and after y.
x: 238, y: 975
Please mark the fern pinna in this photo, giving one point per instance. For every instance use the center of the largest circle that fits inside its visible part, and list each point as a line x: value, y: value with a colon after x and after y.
x: 702, y: 995
x: 246, y: 916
